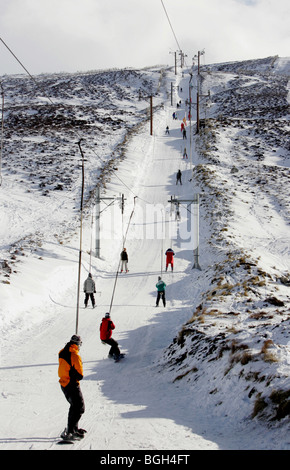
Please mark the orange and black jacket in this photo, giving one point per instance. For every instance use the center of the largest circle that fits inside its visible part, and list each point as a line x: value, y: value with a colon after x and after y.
x: 70, y: 369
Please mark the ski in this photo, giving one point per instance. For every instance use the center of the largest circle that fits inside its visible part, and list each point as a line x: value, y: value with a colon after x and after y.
x: 65, y: 441
x: 70, y: 438
x: 121, y: 356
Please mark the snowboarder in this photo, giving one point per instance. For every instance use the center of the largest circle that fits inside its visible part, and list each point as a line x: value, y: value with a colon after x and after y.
x: 178, y: 177
x: 124, y: 260
x: 160, y: 291
x: 89, y: 290
x: 106, y: 328
x: 70, y: 372
x: 169, y: 258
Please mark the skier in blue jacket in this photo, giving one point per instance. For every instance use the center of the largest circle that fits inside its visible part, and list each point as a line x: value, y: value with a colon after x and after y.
x: 160, y: 291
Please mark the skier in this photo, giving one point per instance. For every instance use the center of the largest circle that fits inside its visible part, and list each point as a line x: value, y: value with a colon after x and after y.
x: 106, y: 328
x: 182, y: 127
x: 167, y: 130
x: 160, y: 291
x: 184, y: 134
x: 124, y: 260
x: 185, y: 153
x: 70, y: 372
x: 169, y: 258
x: 177, y: 213
x: 89, y: 290
x: 178, y: 177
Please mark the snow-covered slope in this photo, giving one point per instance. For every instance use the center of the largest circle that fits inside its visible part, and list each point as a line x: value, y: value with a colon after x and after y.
x: 209, y: 371
x: 236, y: 344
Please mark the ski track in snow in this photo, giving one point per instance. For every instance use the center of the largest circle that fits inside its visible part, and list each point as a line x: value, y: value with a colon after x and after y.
x: 132, y: 404
x: 127, y: 404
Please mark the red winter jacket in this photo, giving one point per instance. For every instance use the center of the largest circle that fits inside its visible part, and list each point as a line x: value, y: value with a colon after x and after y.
x: 106, y: 328
x: 169, y: 255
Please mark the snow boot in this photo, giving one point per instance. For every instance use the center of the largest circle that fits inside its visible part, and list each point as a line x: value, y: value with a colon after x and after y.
x: 70, y: 436
x: 79, y: 432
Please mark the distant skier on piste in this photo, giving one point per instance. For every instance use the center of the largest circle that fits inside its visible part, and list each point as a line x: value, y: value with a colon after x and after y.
x: 124, y: 260
x: 89, y: 290
x: 70, y: 372
x: 169, y: 258
x: 106, y: 328
x: 160, y: 291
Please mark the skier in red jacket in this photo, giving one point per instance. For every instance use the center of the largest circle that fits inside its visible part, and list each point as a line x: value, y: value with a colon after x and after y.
x: 106, y: 328
x: 169, y: 258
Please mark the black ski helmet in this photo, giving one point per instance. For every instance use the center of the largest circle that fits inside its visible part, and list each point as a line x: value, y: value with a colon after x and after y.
x: 75, y: 339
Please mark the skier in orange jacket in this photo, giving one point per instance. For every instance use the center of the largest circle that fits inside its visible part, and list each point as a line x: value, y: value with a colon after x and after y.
x: 70, y: 372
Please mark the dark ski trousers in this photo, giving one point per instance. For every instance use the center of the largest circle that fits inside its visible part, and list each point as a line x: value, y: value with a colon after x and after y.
x: 91, y: 295
x: 161, y: 295
x: 114, y: 347
x: 74, y: 396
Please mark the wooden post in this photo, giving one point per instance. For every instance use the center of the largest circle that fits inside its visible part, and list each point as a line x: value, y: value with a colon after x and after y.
x: 190, y: 136
x: 196, y: 231
x: 97, y: 222
x: 175, y: 63
x: 197, y: 113
x: 151, y: 115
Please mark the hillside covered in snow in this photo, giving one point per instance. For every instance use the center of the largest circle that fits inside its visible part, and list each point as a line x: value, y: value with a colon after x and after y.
x: 240, y: 322
x: 211, y: 369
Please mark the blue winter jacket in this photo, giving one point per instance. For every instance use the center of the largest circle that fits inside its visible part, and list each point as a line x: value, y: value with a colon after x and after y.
x: 161, y: 286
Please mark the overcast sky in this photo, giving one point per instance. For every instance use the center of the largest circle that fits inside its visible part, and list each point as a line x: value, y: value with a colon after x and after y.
x: 81, y: 35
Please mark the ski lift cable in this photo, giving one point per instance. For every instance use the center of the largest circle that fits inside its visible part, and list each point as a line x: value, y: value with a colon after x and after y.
x: 172, y: 29
x: 91, y: 241
x: 118, y: 269
x: 171, y: 25
x: 185, y: 206
x: 38, y: 85
x: 24, y: 68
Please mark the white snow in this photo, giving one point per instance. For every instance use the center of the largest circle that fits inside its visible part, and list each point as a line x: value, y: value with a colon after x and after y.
x: 142, y: 402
